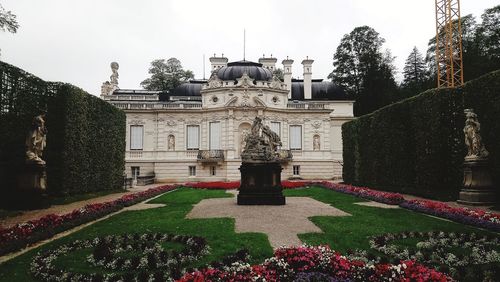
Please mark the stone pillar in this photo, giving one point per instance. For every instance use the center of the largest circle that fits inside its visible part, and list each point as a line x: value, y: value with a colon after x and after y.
x: 287, y: 75
x: 307, y: 78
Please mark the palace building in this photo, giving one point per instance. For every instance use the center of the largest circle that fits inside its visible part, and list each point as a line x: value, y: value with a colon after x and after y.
x: 196, y: 132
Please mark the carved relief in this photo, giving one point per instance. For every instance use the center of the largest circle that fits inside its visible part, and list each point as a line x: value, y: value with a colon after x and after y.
x: 245, y: 81
x: 137, y: 122
x: 316, y: 124
x: 214, y: 81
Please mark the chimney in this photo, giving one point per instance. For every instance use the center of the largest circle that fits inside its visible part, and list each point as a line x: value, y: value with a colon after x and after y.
x: 307, y: 78
x: 217, y: 62
x: 287, y: 75
x: 268, y: 63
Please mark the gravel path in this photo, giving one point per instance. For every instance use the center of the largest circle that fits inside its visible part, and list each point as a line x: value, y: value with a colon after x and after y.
x: 62, y: 209
x: 280, y: 223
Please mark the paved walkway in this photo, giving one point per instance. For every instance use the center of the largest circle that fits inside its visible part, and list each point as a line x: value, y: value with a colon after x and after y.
x: 62, y: 209
x: 280, y: 223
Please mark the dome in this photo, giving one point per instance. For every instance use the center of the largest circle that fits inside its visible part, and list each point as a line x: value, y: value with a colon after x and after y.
x: 192, y: 88
x: 235, y: 70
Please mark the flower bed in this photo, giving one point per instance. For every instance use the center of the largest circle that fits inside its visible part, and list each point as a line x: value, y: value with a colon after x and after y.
x: 127, y: 257
x: 21, y: 235
x: 320, y: 263
x: 463, y: 255
x: 475, y: 217
x: 363, y: 192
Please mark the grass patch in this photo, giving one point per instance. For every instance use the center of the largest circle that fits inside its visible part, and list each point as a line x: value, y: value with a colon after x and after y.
x: 342, y: 233
x: 352, y: 232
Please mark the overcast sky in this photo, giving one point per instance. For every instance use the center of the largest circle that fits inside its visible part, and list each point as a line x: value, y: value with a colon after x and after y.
x: 75, y: 41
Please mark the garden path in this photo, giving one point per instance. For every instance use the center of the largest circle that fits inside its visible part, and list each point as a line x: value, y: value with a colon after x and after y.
x: 280, y: 223
x: 62, y: 209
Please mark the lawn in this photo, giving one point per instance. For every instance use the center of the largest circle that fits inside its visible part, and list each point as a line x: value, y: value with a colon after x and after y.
x: 341, y: 233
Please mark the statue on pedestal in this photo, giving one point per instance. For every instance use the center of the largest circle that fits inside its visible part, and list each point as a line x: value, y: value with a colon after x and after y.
x: 108, y: 87
x: 261, y: 168
x: 478, y: 184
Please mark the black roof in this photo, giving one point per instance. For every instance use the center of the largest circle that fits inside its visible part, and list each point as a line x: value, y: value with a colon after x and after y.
x: 320, y: 90
x: 235, y: 70
x: 192, y: 88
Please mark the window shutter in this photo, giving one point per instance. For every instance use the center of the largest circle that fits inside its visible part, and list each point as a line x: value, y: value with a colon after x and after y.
x: 276, y: 127
x: 215, y: 135
x: 193, y: 137
x: 296, y: 137
x: 136, y: 137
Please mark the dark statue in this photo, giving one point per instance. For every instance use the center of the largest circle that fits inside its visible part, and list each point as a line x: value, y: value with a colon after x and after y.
x: 261, y: 167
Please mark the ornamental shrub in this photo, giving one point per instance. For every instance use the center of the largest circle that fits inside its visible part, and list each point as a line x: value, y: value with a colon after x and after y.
x: 417, y: 146
x: 85, y: 141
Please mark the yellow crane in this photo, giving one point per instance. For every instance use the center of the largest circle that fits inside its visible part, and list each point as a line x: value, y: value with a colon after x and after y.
x: 448, y: 44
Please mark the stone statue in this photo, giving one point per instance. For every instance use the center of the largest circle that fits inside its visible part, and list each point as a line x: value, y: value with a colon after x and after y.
x: 473, y: 141
x: 114, y: 77
x: 36, y: 140
x: 316, y: 143
x: 261, y: 143
x: 108, y: 87
x: 171, y: 143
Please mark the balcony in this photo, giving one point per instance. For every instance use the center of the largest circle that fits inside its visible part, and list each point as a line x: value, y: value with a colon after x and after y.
x: 284, y: 156
x: 210, y: 156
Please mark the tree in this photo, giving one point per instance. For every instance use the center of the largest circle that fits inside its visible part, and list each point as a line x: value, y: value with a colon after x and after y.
x: 415, y: 73
x: 8, y: 21
x: 488, y: 38
x: 279, y: 74
x: 166, y: 75
x: 365, y: 73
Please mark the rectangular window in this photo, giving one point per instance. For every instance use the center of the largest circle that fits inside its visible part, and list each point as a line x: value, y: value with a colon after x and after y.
x: 296, y: 170
x: 193, y: 137
x: 136, y: 171
x: 215, y: 136
x: 213, y: 171
x: 136, y: 137
x: 192, y: 170
x: 276, y: 127
x: 295, y: 137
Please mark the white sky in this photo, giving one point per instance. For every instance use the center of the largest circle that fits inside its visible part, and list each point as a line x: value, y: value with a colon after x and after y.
x: 75, y: 41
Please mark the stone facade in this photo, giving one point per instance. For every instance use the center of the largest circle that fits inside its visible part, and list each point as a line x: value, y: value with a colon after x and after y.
x: 223, y: 113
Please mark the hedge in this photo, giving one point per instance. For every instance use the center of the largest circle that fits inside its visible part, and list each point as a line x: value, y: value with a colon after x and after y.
x: 416, y: 146
x: 86, y: 135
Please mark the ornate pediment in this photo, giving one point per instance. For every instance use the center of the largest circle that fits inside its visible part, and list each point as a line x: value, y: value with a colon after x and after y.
x: 245, y: 81
x: 214, y: 81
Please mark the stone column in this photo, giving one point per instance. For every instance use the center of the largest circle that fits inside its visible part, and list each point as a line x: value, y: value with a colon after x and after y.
x: 287, y: 75
x: 307, y: 63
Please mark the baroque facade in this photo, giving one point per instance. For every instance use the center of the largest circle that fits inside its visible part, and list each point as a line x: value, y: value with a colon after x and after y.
x: 196, y: 132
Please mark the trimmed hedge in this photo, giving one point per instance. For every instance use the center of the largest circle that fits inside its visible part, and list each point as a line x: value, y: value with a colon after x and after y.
x: 86, y: 135
x: 417, y: 145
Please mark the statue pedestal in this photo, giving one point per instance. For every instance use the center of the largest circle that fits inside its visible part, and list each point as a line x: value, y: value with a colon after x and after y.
x: 260, y: 184
x: 478, y: 185
x: 31, y: 186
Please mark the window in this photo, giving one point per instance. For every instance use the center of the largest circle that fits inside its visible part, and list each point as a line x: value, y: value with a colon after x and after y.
x: 215, y: 134
x: 296, y: 170
x: 136, y: 137
x: 193, y: 137
x: 276, y: 127
x: 192, y: 170
x: 136, y: 171
x: 295, y: 137
x: 213, y: 171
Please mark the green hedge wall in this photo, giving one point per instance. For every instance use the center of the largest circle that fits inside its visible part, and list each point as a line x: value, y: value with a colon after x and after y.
x: 86, y: 136
x: 416, y: 146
